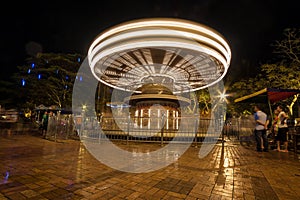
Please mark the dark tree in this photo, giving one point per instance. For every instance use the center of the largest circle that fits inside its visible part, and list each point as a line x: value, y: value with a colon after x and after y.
x: 47, y: 79
x: 282, y: 72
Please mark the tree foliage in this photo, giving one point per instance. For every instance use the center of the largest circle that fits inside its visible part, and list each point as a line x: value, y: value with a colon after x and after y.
x: 288, y: 49
x: 282, y: 72
x: 204, y: 101
x: 47, y: 79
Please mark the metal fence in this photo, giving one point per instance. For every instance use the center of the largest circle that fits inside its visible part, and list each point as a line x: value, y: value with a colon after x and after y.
x: 143, y: 129
x: 241, y: 127
x: 61, y: 127
x: 160, y: 130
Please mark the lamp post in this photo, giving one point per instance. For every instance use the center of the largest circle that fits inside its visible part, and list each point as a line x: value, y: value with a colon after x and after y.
x: 223, y: 100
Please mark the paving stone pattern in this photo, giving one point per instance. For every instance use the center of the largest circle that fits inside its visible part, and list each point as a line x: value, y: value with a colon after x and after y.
x: 39, y: 169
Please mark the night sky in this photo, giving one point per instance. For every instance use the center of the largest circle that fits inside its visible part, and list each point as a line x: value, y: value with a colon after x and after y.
x: 250, y: 26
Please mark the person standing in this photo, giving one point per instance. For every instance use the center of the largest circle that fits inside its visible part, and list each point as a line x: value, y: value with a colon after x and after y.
x: 45, y: 124
x: 282, y: 129
x: 275, y: 123
x: 261, y: 124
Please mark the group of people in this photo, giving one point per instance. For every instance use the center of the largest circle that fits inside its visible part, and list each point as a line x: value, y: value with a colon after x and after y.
x: 279, y: 129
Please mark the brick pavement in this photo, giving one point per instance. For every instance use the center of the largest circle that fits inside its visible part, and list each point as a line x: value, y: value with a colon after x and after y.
x: 35, y: 168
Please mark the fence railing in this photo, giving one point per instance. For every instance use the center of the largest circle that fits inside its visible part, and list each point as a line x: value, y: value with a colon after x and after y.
x: 143, y: 129
x: 61, y: 127
x: 177, y: 129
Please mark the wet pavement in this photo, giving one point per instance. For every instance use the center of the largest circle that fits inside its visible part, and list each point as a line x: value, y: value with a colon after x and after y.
x: 36, y: 168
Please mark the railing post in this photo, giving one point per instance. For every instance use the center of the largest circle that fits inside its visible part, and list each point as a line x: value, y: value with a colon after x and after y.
x: 238, y: 129
x: 162, y: 131
x: 98, y: 128
x: 196, y: 132
x: 128, y: 129
x: 222, y: 126
x: 56, y: 128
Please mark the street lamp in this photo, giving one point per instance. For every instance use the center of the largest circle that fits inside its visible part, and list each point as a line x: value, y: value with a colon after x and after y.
x: 223, y: 99
x: 223, y: 96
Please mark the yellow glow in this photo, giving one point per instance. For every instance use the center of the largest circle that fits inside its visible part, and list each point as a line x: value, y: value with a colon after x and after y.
x: 226, y: 162
x: 156, y: 33
x: 155, y: 44
x: 160, y: 33
x: 164, y: 23
x: 223, y: 96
